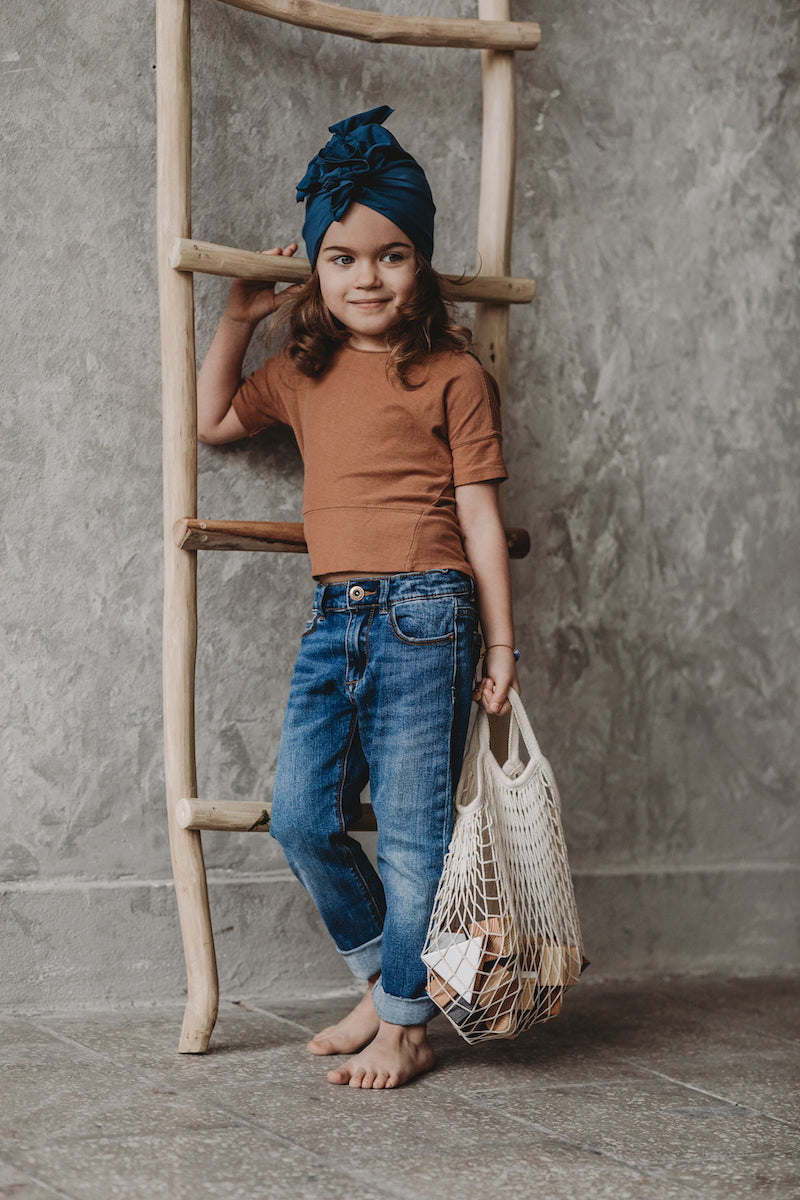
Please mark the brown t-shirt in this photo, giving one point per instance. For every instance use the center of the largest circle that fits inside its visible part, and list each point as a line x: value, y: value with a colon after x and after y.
x: 381, y: 461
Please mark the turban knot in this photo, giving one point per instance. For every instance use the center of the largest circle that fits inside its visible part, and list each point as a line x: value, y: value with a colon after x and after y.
x: 363, y: 162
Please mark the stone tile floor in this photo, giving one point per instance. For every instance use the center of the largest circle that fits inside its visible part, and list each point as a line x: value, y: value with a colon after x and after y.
x: 665, y: 1090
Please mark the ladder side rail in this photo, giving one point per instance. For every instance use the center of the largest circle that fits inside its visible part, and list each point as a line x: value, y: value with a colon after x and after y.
x: 495, y: 224
x: 378, y: 28
x: 496, y: 204
x: 176, y: 304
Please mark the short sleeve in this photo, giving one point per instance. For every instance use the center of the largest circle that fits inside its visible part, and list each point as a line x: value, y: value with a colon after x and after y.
x: 257, y: 402
x: 473, y: 425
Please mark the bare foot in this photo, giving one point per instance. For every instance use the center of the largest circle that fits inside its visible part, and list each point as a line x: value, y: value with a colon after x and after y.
x: 356, y: 1030
x: 396, y: 1054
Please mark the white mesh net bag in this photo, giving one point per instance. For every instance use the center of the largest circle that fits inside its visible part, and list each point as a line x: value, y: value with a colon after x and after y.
x: 504, y: 942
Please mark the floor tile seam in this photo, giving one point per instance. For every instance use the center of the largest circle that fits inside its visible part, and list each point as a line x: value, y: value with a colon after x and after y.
x: 641, y: 1171
x: 560, y: 1140
x: 7, y: 1145
x: 66, y: 1039
x: 727, y: 1055
x: 167, y: 1135
x: 602, y: 1152
x: 344, y: 992
x: 58, y: 1192
x: 764, y: 1037
x: 652, y: 1168
x: 611, y: 1061
x: 712, y: 977
x: 789, y: 1038
x: 543, y: 1087
x: 644, y: 1167
x: 717, y: 1096
x: 677, y: 996
x: 502, y: 1089
x: 378, y: 1178
x: 274, y: 1016
x: 661, y: 1171
x: 709, y: 1162
x: 348, y: 1172
x: 668, y: 1164
x: 106, y: 1055
x: 145, y: 1075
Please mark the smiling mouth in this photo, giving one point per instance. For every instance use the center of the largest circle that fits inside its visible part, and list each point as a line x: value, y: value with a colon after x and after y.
x: 369, y: 303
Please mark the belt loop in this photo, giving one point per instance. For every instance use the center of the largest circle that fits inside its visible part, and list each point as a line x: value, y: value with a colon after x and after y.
x: 322, y: 591
x: 384, y: 596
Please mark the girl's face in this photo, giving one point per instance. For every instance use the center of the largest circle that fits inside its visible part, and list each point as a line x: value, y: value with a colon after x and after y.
x: 367, y: 272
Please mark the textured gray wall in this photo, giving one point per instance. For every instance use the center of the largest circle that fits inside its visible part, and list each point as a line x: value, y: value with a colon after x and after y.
x: 651, y: 435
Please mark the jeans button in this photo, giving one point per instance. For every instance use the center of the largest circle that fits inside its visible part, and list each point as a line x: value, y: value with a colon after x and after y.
x: 356, y: 592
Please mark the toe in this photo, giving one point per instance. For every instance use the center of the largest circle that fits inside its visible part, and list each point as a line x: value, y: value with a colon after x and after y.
x: 338, y: 1075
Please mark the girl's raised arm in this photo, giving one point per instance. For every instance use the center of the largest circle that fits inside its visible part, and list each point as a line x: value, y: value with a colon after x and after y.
x: 249, y: 301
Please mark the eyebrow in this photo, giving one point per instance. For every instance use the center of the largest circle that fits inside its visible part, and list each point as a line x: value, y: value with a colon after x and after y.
x: 381, y: 249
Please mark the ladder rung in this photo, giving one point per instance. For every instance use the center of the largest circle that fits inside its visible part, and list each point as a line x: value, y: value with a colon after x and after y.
x: 206, y: 258
x: 404, y: 31
x: 282, y: 537
x: 241, y: 816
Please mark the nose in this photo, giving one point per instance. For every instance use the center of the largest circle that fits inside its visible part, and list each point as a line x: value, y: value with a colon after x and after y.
x: 367, y: 274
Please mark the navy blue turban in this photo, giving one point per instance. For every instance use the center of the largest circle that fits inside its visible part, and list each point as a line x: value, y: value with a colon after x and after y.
x: 363, y: 162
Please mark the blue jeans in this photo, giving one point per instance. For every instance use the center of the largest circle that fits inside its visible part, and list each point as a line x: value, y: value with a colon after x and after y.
x: 381, y: 691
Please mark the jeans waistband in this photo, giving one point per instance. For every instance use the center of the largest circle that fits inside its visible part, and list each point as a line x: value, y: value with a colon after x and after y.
x: 364, y: 592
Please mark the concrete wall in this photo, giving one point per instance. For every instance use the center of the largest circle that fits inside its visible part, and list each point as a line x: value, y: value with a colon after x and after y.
x: 651, y: 435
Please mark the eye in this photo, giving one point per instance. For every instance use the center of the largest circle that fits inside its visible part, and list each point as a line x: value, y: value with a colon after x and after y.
x: 343, y: 260
x: 394, y: 256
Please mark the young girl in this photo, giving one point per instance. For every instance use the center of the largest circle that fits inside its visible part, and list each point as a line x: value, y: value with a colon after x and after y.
x: 399, y: 431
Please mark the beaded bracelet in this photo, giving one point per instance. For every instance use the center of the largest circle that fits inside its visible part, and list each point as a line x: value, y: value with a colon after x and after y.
x: 505, y: 646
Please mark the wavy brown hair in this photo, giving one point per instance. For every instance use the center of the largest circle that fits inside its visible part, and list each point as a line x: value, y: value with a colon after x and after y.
x: 427, y: 322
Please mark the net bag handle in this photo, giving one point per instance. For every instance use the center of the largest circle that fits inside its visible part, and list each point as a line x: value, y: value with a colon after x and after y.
x: 480, y: 749
x: 518, y: 724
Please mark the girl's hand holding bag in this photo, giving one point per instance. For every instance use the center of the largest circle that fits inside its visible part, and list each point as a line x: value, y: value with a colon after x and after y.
x: 504, y: 942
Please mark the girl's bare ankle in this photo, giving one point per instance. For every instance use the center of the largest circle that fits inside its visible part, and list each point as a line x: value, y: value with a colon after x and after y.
x: 418, y: 1034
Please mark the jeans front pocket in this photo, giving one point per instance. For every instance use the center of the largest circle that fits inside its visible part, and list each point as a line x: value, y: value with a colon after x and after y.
x: 424, y: 621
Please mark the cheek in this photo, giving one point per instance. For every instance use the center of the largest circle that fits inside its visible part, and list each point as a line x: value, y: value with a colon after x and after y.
x: 406, y: 293
x: 328, y: 288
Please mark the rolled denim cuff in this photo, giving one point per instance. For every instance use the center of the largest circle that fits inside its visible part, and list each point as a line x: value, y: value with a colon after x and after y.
x: 364, y: 961
x: 400, y: 1011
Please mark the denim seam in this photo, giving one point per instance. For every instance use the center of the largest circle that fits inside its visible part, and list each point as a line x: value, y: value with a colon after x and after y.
x: 359, y: 605
x: 369, y: 613
x: 453, y: 680
x: 347, y: 682
x: 343, y: 824
x: 367, y: 627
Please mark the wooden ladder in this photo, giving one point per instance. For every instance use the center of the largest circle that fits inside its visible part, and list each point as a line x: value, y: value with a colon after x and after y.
x: 179, y: 256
